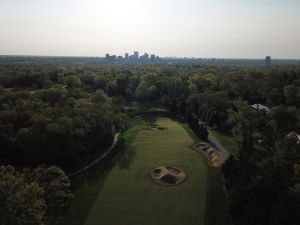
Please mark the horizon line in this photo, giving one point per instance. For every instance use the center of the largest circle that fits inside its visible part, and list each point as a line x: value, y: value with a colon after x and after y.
x: 162, y: 57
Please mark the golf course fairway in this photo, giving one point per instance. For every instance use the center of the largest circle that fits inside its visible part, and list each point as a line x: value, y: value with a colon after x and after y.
x: 130, y: 197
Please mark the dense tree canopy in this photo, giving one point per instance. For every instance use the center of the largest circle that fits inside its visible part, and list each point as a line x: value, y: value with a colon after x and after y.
x: 31, y: 196
x: 22, y: 201
x: 65, y: 114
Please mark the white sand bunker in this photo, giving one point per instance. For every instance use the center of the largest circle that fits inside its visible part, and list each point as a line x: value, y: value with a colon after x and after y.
x: 168, y: 175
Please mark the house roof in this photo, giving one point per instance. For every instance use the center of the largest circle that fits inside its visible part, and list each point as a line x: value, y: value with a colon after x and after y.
x: 260, y: 107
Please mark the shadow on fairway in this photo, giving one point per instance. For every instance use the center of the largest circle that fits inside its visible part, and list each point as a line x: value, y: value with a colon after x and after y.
x: 87, y: 185
x: 126, y: 159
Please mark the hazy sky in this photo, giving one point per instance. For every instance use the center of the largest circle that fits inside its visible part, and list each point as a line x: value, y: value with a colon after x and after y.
x: 193, y: 28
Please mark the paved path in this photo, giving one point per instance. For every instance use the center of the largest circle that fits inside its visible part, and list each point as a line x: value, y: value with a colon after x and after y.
x: 218, y: 146
x: 98, y: 159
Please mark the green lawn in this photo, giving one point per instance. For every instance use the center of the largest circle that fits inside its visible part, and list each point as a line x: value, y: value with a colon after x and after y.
x: 122, y: 193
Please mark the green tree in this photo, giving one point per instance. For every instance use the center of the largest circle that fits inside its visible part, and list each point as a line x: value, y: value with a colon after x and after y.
x: 153, y: 91
x: 193, y: 89
x: 22, y: 202
x: 56, y: 186
x: 73, y: 81
x: 245, y: 120
x: 142, y: 90
x: 292, y: 95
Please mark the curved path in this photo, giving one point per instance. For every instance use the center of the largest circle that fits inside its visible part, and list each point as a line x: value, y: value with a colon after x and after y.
x: 218, y: 146
x: 98, y: 159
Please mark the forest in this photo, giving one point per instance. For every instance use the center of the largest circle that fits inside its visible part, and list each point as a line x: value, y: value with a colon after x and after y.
x: 66, y: 115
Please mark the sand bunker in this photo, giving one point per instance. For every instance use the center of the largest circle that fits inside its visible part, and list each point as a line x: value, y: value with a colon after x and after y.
x: 210, y: 153
x: 157, y: 128
x: 167, y: 175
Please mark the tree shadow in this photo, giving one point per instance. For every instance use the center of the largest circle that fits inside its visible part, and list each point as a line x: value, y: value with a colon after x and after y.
x: 126, y: 159
x: 86, y: 187
x: 150, y: 119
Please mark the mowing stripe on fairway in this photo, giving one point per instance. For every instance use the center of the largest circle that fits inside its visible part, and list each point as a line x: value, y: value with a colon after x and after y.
x: 129, y: 196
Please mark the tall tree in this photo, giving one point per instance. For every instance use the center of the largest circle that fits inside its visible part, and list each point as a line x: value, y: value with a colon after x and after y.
x: 56, y: 186
x: 22, y: 202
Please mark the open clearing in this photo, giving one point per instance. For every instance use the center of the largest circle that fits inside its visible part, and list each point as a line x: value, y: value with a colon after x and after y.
x: 125, y: 194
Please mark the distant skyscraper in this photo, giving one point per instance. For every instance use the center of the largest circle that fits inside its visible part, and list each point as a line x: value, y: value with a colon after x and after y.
x: 152, y: 57
x: 268, y: 60
x: 126, y: 55
x: 145, y: 57
x: 136, y: 54
x: 107, y: 56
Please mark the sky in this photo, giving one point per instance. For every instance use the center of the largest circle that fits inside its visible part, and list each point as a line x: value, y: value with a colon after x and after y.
x: 182, y: 28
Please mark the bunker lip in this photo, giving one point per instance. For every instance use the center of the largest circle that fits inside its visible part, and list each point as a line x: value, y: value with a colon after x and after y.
x: 213, y: 156
x: 167, y: 175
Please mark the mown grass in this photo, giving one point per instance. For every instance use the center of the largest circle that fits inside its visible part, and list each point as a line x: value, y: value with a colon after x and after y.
x: 129, y: 196
x: 195, y: 138
x: 135, y: 127
x: 217, y: 211
x: 123, y: 193
x: 87, y: 185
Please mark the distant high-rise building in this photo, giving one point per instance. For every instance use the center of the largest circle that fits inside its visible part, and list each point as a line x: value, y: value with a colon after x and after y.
x: 152, y: 57
x: 268, y: 60
x: 126, y: 55
x: 145, y: 57
x: 120, y: 58
x: 136, y: 54
x: 107, y: 56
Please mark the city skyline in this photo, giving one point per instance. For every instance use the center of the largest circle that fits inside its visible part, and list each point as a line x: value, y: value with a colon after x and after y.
x: 134, y: 58
x: 191, y: 28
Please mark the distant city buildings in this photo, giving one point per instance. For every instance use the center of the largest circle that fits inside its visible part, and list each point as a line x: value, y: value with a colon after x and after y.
x: 137, y: 58
x: 136, y: 55
x: 133, y: 59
